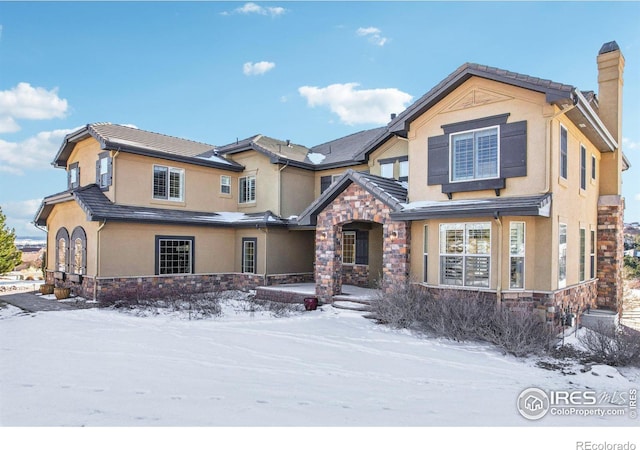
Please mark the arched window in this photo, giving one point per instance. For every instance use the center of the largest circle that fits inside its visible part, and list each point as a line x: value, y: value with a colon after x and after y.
x: 62, y: 250
x: 78, y: 251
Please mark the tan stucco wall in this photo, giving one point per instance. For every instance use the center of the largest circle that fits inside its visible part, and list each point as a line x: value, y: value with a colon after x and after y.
x: 536, y: 259
x: 266, y: 182
x: 290, y: 251
x: 133, y: 182
x: 261, y: 248
x: 491, y: 98
x: 85, y: 153
x: 70, y: 215
x: 331, y: 172
x: 129, y: 249
x: 296, y: 190
x: 393, y: 148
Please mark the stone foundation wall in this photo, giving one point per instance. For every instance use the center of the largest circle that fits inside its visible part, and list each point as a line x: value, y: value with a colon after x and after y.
x: 281, y: 296
x: 91, y: 288
x: 551, y: 305
x: 610, y: 244
x: 355, y: 275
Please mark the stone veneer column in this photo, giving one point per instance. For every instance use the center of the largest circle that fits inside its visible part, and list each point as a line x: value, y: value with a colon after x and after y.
x: 610, y: 244
x: 395, y: 257
x: 328, y: 267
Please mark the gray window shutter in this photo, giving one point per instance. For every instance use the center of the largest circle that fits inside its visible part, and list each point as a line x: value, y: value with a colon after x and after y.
x: 109, y: 170
x: 362, y: 247
x: 98, y: 172
x: 513, y: 149
x: 325, y: 182
x: 438, y: 160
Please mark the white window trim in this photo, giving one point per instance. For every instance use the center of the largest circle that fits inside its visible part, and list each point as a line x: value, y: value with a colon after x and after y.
x: 387, y: 164
x: 425, y: 254
x: 562, y: 283
x: 224, y: 178
x: 465, y: 254
x: 255, y: 190
x: 581, y: 181
x: 523, y: 255
x: 566, y: 161
x: 170, y: 170
x: 451, y: 136
x: 349, y: 233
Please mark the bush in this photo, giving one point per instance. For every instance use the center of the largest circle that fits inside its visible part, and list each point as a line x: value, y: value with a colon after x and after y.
x: 464, y: 316
x: 196, y: 303
x: 612, y: 345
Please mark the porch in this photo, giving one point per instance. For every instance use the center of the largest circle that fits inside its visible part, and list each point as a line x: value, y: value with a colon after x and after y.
x: 296, y: 293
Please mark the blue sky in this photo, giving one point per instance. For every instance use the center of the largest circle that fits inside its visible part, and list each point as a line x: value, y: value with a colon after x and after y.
x: 305, y: 71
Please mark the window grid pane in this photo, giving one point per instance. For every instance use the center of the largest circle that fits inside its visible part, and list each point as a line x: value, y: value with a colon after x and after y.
x: 463, y: 157
x: 77, y: 256
x: 516, y: 255
x: 563, y: 152
x: 160, y: 182
x: 247, y: 191
x: 249, y: 257
x: 562, y: 255
x: 462, y: 254
x: 349, y: 247
x: 583, y: 168
x: 386, y: 170
x: 62, y: 255
x: 175, y: 184
x: 225, y: 184
x: 174, y: 256
x: 583, y: 253
x: 592, y: 266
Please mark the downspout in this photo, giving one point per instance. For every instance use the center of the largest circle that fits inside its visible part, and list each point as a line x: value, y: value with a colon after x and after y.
x: 95, y: 281
x: 498, y: 220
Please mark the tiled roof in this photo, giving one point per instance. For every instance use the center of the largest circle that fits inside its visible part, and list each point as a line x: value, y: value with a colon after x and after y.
x: 134, y: 140
x: 98, y: 207
x: 390, y: 192
x: 537, y: 205
x: 346, y: 149
x: 556, y: 92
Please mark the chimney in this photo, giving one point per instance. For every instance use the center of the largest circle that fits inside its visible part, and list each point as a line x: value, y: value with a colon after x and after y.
x: 610, y: 81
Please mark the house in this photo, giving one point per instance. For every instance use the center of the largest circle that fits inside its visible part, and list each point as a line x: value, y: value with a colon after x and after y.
x: 492, y: 181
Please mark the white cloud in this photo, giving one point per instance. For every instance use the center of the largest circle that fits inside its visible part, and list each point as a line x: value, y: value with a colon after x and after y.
x: 628, y: 144
x: 357, y: 106
x: 373, y: 34
x: 27, y: 102
x: 252, y: 8
x: 20, y: 215
x: 34, y: 153
x: 259, y: 68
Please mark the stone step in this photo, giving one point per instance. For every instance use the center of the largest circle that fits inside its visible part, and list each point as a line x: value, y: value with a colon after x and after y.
x: 351, y: 305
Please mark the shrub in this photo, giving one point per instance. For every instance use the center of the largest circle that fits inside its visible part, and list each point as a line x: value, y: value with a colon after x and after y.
x: 196, y: 303
x: 612, y: 345
x: 463, y: 316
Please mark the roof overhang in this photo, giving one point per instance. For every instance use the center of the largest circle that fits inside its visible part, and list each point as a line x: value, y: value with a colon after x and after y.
x: 539, y: 205
x: 70, y: 141
x: 587, y: 120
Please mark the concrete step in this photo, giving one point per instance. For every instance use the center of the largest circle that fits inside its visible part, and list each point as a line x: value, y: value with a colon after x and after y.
x: 351, y: 305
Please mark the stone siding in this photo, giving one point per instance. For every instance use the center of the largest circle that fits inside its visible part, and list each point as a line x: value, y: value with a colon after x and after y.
x: 551, y: 305
x: 610, y: 243
x: 355, y: 204
x: 281, y: 296
x: 355, y: 275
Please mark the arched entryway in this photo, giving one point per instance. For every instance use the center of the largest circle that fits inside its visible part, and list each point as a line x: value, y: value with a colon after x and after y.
x: 354, y: 213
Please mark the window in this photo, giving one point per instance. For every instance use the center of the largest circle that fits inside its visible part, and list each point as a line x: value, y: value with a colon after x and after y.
x: 62, y: 249
x: 593, y: 168
x: 386, y: 170
x: 225, y: 184
x: 583, y: 253
x: 73, y: 180
x: 562, y: 255
x: 247, y: 189
x: 78, y: 251
x: 465, y: 254
x: 349, y: 247
x: 104, y: 168
x: 249, y: 255
x: 583, y: 168
x: 425, y: 251
x: 474, y: 155
x: 592, y: 256
x: 563, y: 151
x: 174, y: 255
x: 168, y: 183
x: 516, y: 255
x: 404, y: 170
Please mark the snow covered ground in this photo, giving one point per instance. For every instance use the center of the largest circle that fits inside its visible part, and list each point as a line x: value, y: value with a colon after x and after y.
x: 329, y: 368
